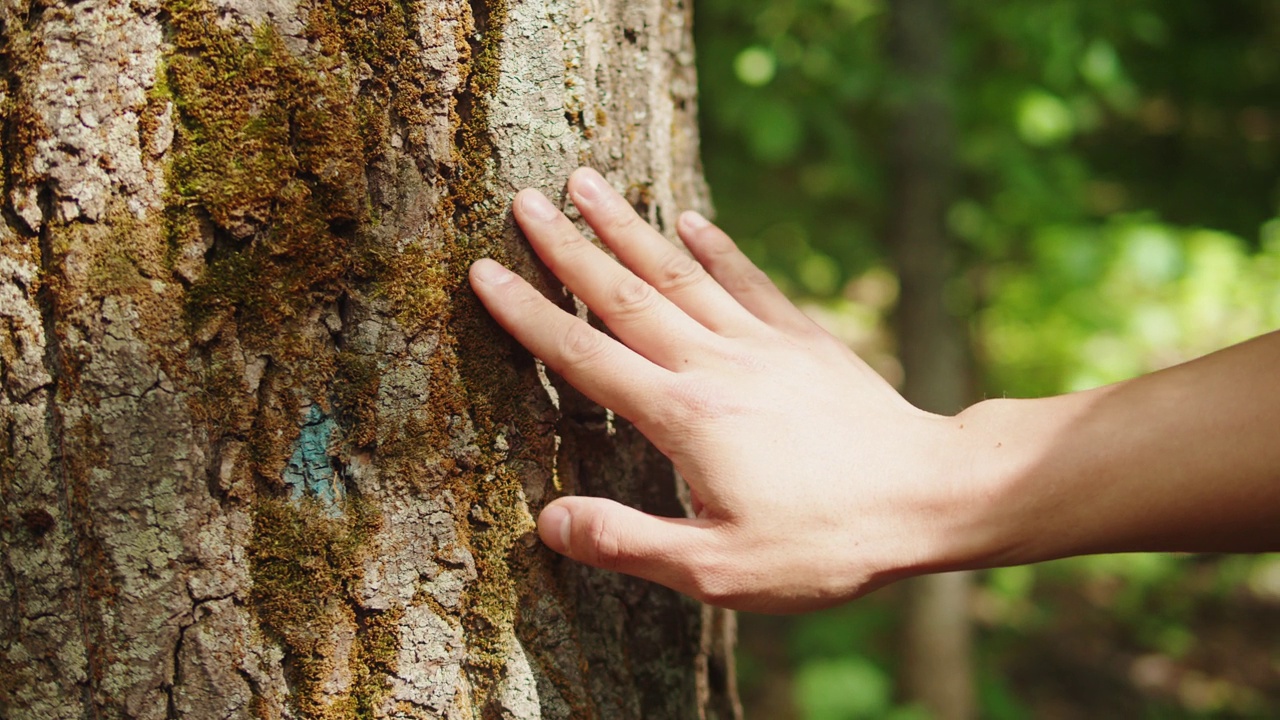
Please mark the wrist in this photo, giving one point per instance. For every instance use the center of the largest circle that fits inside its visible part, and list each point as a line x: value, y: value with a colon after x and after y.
x: 965, y: 510
x: 1041, y: 472
x: 1002, y: 516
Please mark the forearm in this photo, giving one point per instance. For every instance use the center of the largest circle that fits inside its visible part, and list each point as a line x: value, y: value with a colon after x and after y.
x: 1185, y: 459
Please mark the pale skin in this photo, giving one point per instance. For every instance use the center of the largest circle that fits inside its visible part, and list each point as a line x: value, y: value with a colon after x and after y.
x: 815, y: 482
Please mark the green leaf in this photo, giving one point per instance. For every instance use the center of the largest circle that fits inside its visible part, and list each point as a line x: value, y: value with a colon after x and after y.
x: 847, y: 688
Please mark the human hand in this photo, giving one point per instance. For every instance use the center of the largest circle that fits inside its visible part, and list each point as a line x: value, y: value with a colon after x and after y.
x: 814, y: 481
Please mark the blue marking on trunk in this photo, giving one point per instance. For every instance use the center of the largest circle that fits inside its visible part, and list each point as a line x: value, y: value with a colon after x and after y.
x: 310, y: 471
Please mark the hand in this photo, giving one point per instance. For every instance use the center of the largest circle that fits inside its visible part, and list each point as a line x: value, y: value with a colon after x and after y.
x: 814, y: 481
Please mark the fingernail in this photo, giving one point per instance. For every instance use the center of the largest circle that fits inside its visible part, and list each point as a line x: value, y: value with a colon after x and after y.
x: 488, y: 271
x: 537, y: 206
x: 694, y: 220
x: 591, y: 186
x: 553, y: 526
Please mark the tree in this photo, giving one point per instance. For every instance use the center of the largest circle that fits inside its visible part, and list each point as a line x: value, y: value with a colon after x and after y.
x: 265, y: 455
x: 937, y: 667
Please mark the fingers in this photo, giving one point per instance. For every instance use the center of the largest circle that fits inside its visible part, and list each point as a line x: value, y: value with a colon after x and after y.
x: 747, y: 283
x: 655, y: 259
x: 639, y: 315
x: 612, y: 536
x: 604, y: 370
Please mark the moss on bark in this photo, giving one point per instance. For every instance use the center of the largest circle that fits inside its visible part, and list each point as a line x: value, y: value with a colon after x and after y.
x: 305, y: 565
x: 270, y: 153
x: 271, y: 156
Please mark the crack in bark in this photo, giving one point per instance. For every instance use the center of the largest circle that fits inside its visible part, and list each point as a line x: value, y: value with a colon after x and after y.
x: 136, y: 396
x: 56, y: 366
x: 25, y: 398
x: 171, y: 710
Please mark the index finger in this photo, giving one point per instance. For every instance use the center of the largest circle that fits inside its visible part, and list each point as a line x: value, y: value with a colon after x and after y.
x: 603, y: 369
x: 643, y: 318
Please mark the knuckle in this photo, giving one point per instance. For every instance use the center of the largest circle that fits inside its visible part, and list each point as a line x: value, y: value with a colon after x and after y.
x: 633, y: 296
x: 750, y: 278
x: 604, y: 546
x: 677, y: 272
x: 745, y: 360
x: 694, y: 400
x: 709, y: 581
x: 581, y: 342
x: 818, y: 337
x: 571, y: 245
x: 622, y: 218
x: 522, y: 302
x: 528, y: 300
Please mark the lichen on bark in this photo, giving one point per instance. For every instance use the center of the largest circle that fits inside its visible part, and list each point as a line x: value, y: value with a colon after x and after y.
x: 271, y: 157
x: 244, y: 251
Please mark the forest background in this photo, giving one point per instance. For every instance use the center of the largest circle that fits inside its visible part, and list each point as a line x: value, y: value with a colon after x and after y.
x: 1114, y: 210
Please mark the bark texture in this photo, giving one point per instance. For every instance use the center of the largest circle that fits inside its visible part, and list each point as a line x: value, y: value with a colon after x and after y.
x: 937, y: 653
x: 264, y: 454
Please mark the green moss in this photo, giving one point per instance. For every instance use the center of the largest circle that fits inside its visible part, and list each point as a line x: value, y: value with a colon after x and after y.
x: 488, y: 385
x: 270, y: 152
x: 125, y: 254
x: 355, y: 389
x: 416, y: 286
x: 476, y: 210
x: 489, y: 610
x: 377, y: 650
x: 305, y: 565
x: 379, y: 34
x: 21, y: 126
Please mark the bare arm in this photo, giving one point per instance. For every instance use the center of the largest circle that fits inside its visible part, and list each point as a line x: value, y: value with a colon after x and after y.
x: 816, y: 482
x: 1185, y: 459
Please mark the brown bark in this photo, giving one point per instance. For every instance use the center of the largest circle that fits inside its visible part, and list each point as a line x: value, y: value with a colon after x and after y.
x: 937, y: 663
x: 265, y: 455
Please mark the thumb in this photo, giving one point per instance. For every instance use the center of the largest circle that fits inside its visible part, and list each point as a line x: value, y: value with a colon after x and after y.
x: 612, y: 536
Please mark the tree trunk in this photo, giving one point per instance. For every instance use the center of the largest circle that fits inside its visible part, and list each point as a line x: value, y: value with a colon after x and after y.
x: 265, y: 455
x: 937, y: 663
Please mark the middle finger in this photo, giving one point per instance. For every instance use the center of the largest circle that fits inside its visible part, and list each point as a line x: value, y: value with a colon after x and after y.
x: 653, y: 257
x: 640, y: 316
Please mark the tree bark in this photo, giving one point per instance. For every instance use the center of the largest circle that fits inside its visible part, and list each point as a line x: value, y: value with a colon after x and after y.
x: 265, y: 454
x: 933, y: 347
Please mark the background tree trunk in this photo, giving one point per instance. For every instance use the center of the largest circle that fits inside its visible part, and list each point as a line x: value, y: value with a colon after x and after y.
x: 933, y: 347
x: 264, y: 454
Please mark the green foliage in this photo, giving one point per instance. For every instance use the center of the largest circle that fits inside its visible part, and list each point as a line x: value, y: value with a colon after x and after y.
x: 1093, y: 304
x: 1069, y: 112
x: 1116, y: 196
x: 843, y: 688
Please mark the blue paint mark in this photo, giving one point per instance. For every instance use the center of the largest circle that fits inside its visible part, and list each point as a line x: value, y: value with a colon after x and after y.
x: 310, y: 471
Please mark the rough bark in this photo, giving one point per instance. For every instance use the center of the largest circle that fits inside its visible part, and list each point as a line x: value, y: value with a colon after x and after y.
x: 265, y: 455
x: 937, y: 663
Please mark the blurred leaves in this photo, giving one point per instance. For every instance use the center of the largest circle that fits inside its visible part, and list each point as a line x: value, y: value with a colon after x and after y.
x: 1044, y: 119
x: 755, y: 66
x: 1092, y: 305
x: 1069, y: 112
x: 845, y: 688
x: 1115, y: 212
